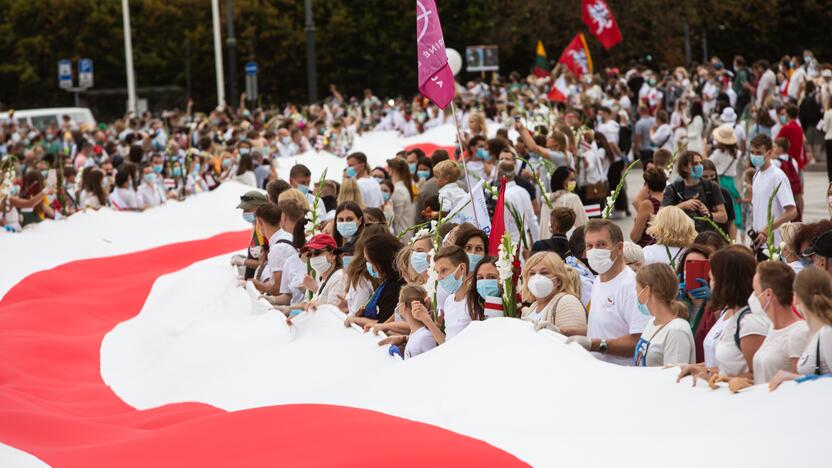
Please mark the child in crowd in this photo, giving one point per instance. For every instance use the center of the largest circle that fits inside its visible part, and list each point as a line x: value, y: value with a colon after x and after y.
x: 414, y: 307
x: 561, y: 221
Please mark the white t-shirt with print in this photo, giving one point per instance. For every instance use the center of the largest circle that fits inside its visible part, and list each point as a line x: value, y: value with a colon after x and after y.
x: 780, y: 346
x: 613, y: 312
x: 808, y: 360
x: 729, y: 358
x: 673, y: 344
x: 419, y: 341
x: 456, y: 316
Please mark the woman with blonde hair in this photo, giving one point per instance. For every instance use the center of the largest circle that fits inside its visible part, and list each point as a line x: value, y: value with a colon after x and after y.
x: 667, y: 338
x: 674, y: 231
x: 296, y: 195
x: 813, y: 298
x: 477, y: 125
x: 554, y: 290
x: 413, y: 260
x: 350, y: 192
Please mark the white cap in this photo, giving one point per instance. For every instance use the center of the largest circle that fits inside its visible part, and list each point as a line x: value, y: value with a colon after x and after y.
x: 728, y: 115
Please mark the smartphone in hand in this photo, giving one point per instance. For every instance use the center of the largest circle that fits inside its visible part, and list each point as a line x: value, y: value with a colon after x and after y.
x: 696, y: 269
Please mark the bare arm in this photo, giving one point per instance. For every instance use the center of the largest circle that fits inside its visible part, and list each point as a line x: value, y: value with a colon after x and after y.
x: 789, y: 214
x: 645, y: 209
x: 719, y: 214
x: 528, y: 140
x: 622, y: 346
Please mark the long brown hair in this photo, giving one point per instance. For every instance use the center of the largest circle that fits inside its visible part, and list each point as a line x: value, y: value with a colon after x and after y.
x: 399, y: 167
x: 814, y: 290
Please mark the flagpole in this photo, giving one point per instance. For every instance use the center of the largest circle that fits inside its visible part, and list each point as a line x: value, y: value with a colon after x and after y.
x: 464, y: 167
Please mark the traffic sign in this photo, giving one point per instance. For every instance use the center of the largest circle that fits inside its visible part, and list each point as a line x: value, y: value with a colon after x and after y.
x: 64, y: 74
x: 85, y: 79
x: 251, y: 68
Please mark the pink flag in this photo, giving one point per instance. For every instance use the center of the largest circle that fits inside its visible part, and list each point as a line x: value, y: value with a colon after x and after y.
x: 436, y: 80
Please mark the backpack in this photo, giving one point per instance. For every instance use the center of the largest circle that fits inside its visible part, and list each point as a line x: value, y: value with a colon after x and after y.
x: 742, y: 313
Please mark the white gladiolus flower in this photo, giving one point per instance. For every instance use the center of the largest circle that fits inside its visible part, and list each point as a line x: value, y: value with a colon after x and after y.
x: 309, y: 227
x: 775, y: 257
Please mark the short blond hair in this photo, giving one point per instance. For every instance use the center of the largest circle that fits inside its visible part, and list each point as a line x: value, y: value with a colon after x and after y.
x: 447, y: 170
x: 672, y: 227
x: 570, y: 283
x: 294, y: 194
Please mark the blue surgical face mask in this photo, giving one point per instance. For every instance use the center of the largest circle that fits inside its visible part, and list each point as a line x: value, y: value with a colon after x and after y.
x: 371, y: 270
x: 44, y: 174
x: 419, y: 261
x: 244, y: 150
x: 177, y: 171
x: 347, y: 228
x: 482, y: 154
x: 351, y: 172
x: 248, y: 217
x: 757, y: 160
x: 473, y: 260
x: 423, y: 174
x: 642, y: 307
x: 412, y: 167
x: 150, y: 178
x: 783, y: 119
x: 197, y: 167
x: 345, y: 260
x: 488, y: 288
x: 304, y: 189
x: 385, y: 196
x: 696, y: 171
x: 226, y: 163
x: 157, y: 168
x: 378, y: 179
x: 451, y: 283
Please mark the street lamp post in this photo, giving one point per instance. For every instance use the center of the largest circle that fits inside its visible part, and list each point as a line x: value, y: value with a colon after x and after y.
x: 128, y: 58
x: 231, y: 42
x: 215, y: 10
x: 311, y: 70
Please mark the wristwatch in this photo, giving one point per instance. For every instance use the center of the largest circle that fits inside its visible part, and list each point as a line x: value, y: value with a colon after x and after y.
x: 603, y: 347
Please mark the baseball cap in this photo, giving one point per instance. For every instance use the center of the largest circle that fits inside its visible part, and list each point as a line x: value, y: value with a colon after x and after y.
x: 319, y: 242
x: 821, y: 245
x: 252, y: 199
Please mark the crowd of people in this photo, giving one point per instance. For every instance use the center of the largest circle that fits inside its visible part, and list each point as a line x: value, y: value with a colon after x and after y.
x: 720, y: 273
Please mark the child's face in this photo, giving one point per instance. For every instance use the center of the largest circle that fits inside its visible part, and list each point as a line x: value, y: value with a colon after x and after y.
x: 778, y: 150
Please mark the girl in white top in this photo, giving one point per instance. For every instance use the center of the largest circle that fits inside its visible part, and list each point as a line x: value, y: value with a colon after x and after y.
x: 788, y: 334
x: 329, y: 283
x: 402, y: 198
x: 451, y: 264
x: 554, y: 289
x: 731, y: 273
x: 813, y: 299
x: 93, y: 194
x: 150, y: 191
x: 423, y: 332
x: 695, y: 129
x: 667, y: 338
x: 673, y: 231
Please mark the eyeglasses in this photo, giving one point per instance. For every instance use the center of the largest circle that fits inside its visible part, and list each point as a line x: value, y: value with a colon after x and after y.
x: 249, y: 198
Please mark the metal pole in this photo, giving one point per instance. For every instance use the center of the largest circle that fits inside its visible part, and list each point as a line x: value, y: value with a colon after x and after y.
x: 231, y: 42
x: 128, y: 58
x: 188, y: 66
x: 311, y: 69
x: 686, y: 28
x: 215, y: 10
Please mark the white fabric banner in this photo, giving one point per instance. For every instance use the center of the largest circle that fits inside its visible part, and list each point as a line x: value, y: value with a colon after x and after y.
x: 475, y: 213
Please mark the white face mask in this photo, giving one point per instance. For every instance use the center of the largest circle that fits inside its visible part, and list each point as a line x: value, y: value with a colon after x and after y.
x: 320, y: 264
x: 600, y: 260
x: 755, y: 305
x: 541, y: 286
x: 255, y: 251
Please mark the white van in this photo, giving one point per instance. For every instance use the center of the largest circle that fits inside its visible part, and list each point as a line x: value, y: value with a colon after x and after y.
x: 42, y: 118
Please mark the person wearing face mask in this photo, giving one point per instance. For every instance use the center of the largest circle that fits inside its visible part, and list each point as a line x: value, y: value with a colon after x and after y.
x: 150, y: 190
x: 518, y: 199
x: 300, y: 178
x: 615, y: 324
x: 357, y: 170
x: 379, y: 254
x: 563, y: 195
x: 471, y: 239
x: 486, y: 282
x: 349, y: 222
x: 667, y: 338
x: 327, y: 282
x: 256, y: 251
x: 788, y: 334
x: 813, y: 299
x: 475, y: 159
x: 820, y: 251
x: 554, y: 290
x: 766, y: 180
x: 451, y: 264
x: 697, y: 197
x: 286, y: 147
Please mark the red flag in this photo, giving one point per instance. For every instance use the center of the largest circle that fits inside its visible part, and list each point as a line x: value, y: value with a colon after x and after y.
x: 558, y: 91
x: 601, y: 23
x: 576, y: 56
x: 498, y: 224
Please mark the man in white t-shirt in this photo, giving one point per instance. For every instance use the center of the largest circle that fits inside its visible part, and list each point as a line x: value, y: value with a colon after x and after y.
x: 300, y: 178
x: 519, y: 200
x: 608, y: 126
x: 615, y: 324
x: 277, y: 224
x: 766, y: 180
x: 370, y: 190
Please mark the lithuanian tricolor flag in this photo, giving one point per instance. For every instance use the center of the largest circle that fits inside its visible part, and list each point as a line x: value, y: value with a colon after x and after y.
x: 541, y: 64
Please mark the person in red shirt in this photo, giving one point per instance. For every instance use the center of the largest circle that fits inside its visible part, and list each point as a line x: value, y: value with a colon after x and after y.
x: 793, y: 132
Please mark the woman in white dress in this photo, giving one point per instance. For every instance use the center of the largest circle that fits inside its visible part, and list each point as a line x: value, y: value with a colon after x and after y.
x: 695, y: 129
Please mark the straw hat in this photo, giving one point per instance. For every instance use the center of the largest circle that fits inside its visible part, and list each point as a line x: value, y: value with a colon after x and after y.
x: 725, y: 134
